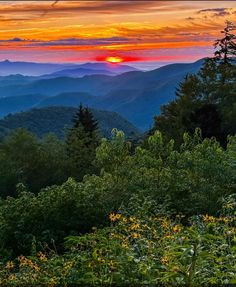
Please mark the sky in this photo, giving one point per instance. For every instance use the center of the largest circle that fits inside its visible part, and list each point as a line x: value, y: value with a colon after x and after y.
x: 138, y: 32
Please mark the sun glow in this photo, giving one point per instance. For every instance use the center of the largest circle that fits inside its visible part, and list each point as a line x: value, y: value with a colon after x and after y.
x: 114, y: 60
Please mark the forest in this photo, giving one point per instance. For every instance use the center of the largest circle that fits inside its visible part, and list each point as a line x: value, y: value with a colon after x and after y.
x: 157, y: 210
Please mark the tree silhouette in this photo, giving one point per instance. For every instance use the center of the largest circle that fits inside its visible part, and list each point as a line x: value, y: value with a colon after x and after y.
x: 227, y: 45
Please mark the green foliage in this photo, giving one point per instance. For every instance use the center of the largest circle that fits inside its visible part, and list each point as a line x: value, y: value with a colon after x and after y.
x: 192, y: 180
x: 37, y: 164
x: 48, y: 217
x: 137, y: 250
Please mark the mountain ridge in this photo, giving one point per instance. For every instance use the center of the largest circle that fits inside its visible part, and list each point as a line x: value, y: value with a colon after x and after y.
x: 136, y: 95
x: 42, y: 121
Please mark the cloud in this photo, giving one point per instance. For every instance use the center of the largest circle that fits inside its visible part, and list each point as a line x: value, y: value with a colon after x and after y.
x: 216, y: 12
x: 65, y: 8
x: 82, y: 42
x: 13, y: 40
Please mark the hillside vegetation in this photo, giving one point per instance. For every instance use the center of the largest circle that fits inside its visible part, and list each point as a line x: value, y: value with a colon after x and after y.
x: 58, y: 119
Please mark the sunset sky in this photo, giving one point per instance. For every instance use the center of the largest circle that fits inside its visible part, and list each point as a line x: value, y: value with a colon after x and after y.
x: 140, y: 32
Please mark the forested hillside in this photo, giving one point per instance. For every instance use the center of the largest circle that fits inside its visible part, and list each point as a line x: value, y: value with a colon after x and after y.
x: 58, y: 119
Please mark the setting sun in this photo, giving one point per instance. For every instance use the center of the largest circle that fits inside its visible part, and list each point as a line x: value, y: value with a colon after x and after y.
x: 114, y: 60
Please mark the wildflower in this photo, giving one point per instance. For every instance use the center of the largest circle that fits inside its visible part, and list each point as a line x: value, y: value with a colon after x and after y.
x: 114, y: 217
x: 52, y: 281
x: 169, y: 236
x: 135, y: 226
x: 124, y: 245
x: 36, y: 267
x: 208, y: 218
x: 24, y: 261
x: 9, y: 265
x: 67, y: 266
x: 124, y: 219
x: 101, y: 260
x: 132, y: 219
x: 42, y: 257
x: 165, y: 260
x: 177, y: 228
x: 135, y: 235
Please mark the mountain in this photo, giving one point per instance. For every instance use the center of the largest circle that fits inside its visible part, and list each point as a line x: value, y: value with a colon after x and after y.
x: 17, y: 104
x: 39, y: 69
x: 57, y: 119
x: 28, y: 68
x: 92, y: 69
x: 78, y: 73
x: 67, y: 100
x: 113, y: 68
x: 136, y: 95
x: 16, y: 79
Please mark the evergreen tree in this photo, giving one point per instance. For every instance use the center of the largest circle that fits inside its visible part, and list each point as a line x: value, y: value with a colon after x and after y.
x: 227, y: 45
x: 81, y: 141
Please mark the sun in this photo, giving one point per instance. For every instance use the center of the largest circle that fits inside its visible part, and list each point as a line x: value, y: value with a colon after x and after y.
x: 114, y: 59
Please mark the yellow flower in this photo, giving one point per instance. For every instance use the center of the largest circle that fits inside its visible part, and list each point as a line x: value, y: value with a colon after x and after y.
x: 9, y: 265
x: 208, y: 218
x: 42, y: 257
x: 52, y: 281
x: 169, y: 236
x: 134, y: 226
x: 114, y: 217
x: 132, y: 219
x: 68, y: 265
x: 165, y: 260
x: 36, y: 267
x: 135, y: 235
x: 177, y: 228
x: 124, y: 245
x: 124, y: 219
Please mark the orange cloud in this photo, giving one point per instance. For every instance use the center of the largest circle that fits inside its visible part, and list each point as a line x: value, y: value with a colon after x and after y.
x: 91, y: 27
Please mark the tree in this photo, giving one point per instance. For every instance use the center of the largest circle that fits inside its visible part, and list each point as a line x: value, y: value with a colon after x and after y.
x: 19, y: 161
x: 227, y: 45
x: 36, y: 163
x: 81, y: 143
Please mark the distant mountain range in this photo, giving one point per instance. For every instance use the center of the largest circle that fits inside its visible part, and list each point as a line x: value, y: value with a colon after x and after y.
x: 69, y: 70
x: 58, y: 119
x: 136, y: 95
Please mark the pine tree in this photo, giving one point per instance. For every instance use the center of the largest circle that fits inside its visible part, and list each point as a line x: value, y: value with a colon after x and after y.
x: 81, y: 141
x: 227, y: 45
